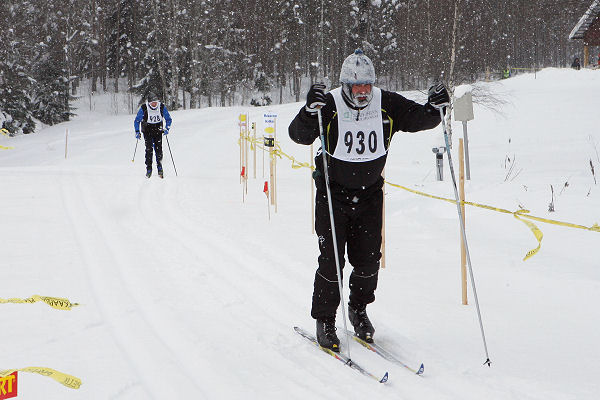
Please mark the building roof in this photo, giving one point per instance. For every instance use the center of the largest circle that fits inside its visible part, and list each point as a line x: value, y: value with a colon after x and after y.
x: 585, y: 21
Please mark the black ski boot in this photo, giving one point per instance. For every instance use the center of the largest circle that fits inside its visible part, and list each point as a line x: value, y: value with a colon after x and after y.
x: 148, y: 173
x: 360, y: 321
x: 160, y: 173
x: 326, y: 334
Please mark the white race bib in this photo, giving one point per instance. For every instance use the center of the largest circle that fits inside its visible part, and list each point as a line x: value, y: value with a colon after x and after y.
x: 154, y: 115
x: 362, y: 140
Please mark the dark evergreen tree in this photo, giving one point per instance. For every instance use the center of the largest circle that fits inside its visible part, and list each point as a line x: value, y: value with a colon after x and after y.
x: 15, y: 103
x: 15, y: 82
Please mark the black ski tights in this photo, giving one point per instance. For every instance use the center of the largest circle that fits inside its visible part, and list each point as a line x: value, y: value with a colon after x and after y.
x: 358, y: 227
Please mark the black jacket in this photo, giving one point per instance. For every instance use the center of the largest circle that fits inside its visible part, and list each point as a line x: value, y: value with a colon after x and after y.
x: 398, y: 113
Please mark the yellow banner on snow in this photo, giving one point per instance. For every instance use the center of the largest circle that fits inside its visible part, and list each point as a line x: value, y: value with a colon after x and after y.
x: 57, y: 303
x: 64, y: 379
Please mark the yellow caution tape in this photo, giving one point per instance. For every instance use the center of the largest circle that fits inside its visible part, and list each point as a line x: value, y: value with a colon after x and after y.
x: 57, y: 303
x: 6, y: 147
x: 519, y: 214
x: 275, y: 151
x: 65, y: 379
x: 538, y: 234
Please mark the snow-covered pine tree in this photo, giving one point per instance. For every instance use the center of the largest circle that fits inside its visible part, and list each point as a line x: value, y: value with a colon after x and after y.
x: 51, y: 96
x: 152, y: 67
x: 15, y: 82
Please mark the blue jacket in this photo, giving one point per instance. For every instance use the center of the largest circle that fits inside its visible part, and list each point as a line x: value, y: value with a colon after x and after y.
x: 142, y: 116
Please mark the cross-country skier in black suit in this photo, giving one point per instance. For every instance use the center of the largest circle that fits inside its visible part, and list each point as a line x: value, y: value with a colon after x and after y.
x: 359, y: 120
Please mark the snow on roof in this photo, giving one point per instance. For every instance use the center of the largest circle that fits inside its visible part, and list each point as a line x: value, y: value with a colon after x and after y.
x: 585, y: 21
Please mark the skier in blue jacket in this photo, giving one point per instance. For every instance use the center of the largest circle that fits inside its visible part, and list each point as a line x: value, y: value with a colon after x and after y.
x: 151, y: 115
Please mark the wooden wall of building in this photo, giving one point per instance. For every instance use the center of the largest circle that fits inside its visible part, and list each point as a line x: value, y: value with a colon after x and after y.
x: 592, y: 35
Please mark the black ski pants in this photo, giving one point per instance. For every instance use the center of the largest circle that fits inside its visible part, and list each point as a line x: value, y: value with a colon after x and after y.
x: 153, y: 140
x: 358, y: 220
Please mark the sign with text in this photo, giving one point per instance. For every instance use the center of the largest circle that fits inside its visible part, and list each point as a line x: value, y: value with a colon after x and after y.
x: 270, y: 119
x: 8, y: 386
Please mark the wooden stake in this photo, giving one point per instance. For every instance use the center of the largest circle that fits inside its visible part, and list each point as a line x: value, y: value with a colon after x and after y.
x: 240, y: 119
x: 382, y: 263
x: 463, y: 252
x: 254, y: 151
x: 246, y: 144
x: 275, y: 164
x: 272, y: 175
x: 266, y: 192
x: 270, y: 142
x: 312, y: 190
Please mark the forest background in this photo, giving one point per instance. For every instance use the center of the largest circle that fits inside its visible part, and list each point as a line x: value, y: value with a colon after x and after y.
x: 233, y: 52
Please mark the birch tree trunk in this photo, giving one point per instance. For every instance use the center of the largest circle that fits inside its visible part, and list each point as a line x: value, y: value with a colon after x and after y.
x: 451, y: 74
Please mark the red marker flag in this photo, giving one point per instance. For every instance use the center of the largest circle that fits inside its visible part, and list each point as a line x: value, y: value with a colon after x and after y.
x: 266, y: 189
x: 243, y: 173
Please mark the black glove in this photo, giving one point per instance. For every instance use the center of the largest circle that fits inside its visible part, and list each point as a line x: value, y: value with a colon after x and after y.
x: 438, y: 95
x: 315, y: 98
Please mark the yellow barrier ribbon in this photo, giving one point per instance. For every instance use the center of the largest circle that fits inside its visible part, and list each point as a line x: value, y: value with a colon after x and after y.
x: 57, y: 303
x: 538, y: 234
x: 64, y: 379
x: 276, y: 152
x: 519, y: 214
x: 6, y: 147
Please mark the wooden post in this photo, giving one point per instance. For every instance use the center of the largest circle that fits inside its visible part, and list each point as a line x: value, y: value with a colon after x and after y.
x: 240, y: 123
x: 266, y: 192
x: 382, y: 263
x: 246, y: 143
x: 312, y: 190
x: 270, y: 120
x: 275, y: 164
x: 463, y: 252
x: 66, y: 141
x: 586, y: 55
x: 254, y: 151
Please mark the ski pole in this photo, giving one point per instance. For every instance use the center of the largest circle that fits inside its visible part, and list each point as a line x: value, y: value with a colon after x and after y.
x: 331, y: 221
x: 136, y: 143
x: 462, y: 231
x: 167, y: 137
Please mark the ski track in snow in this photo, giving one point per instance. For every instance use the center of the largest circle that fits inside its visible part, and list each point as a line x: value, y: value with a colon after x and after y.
x: 125, y: 315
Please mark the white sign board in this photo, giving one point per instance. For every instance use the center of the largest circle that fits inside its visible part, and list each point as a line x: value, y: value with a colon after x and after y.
x: 270, y: 119
x: 463, y: 107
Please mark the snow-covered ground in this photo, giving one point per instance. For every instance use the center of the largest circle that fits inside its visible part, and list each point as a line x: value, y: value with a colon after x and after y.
x: 188, y: 293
